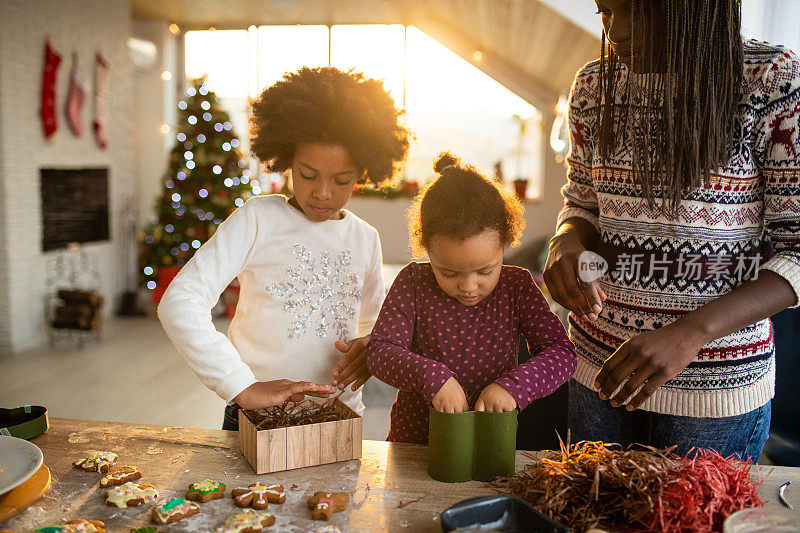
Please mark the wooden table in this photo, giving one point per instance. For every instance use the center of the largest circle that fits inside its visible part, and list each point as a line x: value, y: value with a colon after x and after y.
x: 390, y: 487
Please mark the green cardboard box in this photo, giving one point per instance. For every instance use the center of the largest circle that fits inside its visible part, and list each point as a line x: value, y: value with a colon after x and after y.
x: 472, y: 445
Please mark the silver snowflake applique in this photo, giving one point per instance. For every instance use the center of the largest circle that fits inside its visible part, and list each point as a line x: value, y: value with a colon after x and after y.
x: 321, y: 293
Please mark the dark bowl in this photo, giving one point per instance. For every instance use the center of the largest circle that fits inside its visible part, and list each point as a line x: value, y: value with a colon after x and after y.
x: 504, y: 514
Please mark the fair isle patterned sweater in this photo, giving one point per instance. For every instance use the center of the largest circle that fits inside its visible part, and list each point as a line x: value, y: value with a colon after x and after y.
x: 750, y: 206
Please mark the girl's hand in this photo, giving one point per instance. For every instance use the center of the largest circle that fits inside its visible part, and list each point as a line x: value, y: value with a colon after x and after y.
x: 451, y: 398
x: 562, y: 280
x: 264, y: 394
x: 495, y: 399
x: 352, y: 367
x: 651, y: 359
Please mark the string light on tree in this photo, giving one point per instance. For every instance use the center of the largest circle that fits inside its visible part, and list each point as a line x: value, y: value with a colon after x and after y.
x: 202, y: 179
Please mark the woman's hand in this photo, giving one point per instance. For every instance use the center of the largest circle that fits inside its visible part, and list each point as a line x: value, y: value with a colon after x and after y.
x: 352, y: 367
x: 649, y: 359
x: 451, y: 398
x: 264, y: 394
x: 561, y: 275
x: 495, y: 399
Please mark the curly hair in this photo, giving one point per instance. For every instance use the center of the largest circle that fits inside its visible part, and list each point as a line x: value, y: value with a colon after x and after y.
x: 460, y: 203
x: 326, y: 105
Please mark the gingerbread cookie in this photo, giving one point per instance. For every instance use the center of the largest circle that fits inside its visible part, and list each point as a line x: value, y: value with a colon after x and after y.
x: 79, y: 525
x: 131, y: 494
x: 326, y: 503
x: 257, y: 495
x: 205, y: 491
x: 246, y: 521
x: 170, y: 510
x: 120, y: 475
x: 96, y: 462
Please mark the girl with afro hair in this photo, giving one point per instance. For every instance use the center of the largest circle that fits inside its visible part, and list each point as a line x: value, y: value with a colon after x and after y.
x: 448, y: 334
x: 309, y: 270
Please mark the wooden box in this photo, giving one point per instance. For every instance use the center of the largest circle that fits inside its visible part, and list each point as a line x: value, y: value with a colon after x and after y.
x: 271, y: 450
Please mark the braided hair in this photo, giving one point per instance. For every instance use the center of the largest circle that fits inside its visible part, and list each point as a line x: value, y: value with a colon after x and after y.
x: 677, y: 142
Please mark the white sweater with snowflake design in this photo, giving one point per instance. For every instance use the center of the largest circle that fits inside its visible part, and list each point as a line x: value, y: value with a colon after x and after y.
x: 304, y: 285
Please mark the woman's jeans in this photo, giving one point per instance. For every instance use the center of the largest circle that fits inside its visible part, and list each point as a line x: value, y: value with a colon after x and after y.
x: 231, y: 420
x: 591, y: 418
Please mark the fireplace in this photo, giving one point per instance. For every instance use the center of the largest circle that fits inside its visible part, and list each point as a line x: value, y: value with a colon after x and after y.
x: 74, y: 206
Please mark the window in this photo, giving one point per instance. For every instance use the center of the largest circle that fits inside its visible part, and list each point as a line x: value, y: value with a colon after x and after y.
x: 300, y: 46
x: 449, y: 103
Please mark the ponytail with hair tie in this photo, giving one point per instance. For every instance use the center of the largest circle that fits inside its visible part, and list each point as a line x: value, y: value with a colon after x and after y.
x: 446, y: 161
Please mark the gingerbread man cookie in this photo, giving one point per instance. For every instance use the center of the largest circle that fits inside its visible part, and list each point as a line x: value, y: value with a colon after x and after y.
x: 326, y: 503
x: 257, y: 495
x: 120, y: 475
x: 96, y: 462
x: 131, y: 494
x: 79, y: 525
x: 170, y: 510
x: 205, y: 491
x: 246, y: 521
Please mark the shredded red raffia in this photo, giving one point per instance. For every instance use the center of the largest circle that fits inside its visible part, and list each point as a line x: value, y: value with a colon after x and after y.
x: 704, y: 488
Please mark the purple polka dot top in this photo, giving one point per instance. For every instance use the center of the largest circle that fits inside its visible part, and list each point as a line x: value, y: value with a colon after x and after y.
x: 423, y: 338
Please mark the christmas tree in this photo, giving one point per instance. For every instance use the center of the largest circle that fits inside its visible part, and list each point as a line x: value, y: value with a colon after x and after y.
x: 206, y: 179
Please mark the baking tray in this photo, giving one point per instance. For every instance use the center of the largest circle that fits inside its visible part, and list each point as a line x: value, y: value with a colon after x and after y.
x: 498, y: 513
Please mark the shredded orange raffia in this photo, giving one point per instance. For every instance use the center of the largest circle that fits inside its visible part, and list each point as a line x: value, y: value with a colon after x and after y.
x: 593, y: 484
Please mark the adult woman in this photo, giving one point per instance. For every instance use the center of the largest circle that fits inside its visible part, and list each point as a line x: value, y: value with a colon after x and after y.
x: 684, y: 153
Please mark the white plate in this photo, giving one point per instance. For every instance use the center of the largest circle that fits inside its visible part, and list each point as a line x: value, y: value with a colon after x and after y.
x: 19, y: 460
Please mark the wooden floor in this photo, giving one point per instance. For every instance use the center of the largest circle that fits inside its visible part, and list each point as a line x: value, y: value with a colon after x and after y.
x: 134, y: 374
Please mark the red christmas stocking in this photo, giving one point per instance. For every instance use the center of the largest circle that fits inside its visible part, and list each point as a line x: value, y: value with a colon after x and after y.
x: 76, y: 98
x: 49, y: 81
x: 100, y: 85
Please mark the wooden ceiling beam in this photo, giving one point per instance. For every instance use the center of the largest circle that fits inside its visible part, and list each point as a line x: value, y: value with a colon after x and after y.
x: 509, y: 75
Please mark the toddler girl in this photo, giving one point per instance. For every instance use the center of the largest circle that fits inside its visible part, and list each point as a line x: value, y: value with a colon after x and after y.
x: 449, y: 331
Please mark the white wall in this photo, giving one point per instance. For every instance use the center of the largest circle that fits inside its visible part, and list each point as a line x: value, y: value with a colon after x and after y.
x: 86, y: 27
x: 154, y: 105
x: 776, y: 21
